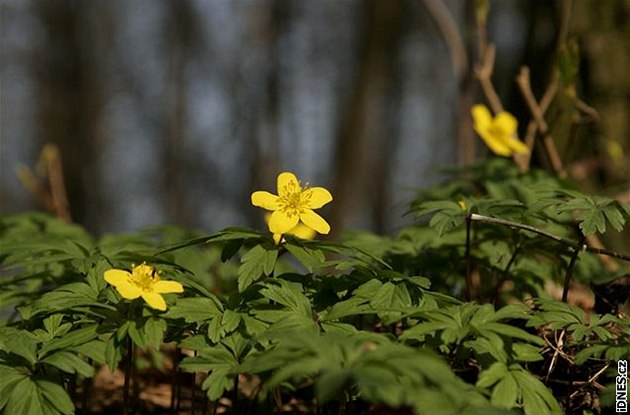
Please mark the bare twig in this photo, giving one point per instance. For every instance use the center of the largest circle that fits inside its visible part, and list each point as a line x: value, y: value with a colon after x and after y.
x: 450, y: 33
x: 534, y: 108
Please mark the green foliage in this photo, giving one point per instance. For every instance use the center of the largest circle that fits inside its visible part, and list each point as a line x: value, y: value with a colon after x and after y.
x: 370, y: 323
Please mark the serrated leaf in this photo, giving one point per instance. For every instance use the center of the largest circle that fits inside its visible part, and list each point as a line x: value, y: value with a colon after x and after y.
x: 256, y: 262
x: 19, y: 342
x: 309, y: 258
x: 196, y: 310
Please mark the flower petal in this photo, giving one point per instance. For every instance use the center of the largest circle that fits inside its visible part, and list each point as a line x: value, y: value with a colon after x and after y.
x: 154, y: 300
x: 277, y: 237
x: 265, y: 200
x: 287, y: 183
x: 518, y: 146
x: 506, y: 123
x: 314, y: 221
x: 316, y: 197
x: 280, y: 222
x: 495, y: 143
x: 129, y: 291
x: 165, y: 287
x: 302, y: 231
x: 117, y: 277
x: 481, y: 116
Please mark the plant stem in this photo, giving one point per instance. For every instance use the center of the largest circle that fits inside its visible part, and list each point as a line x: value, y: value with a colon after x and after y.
x: 565, y: 241
x: 506, y: 274
x: 468, y: 260
x: 235, y: 399
x: 128, y: 369
x: 569, y: 275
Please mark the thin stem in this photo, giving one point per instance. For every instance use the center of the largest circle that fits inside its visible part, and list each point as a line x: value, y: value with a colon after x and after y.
x: 565, y: 241
x: 235, y: 398
x: 569, y: 274
x: 128, y: 369
x: 506, y: 274
x: 468, y: 260
x: 174, y: 380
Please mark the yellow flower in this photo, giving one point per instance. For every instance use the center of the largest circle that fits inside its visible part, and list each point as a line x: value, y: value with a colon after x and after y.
x: 499, y: 133
x: 301, y: 231
x: 143, y: 281
x: 294, y: 204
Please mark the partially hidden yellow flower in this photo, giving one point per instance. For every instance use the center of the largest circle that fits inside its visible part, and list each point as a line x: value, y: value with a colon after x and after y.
x: 293, y: 205
x: 499, y: 133
x: 301, y: 231
x: 143, y: 281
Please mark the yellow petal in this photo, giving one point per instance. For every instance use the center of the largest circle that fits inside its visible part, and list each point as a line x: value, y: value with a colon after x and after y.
x: 265, y: 200
x: 287, y: 183
x: 154, y: 300
x: 314, y: 221
x: 481, y: 116
x: 506, y: 123
x: 495, y: 144
x: 518, y: 146
x: 303, y: 231
x: 129, y: 291
x: 117, y: 277
x: 280, y: 222
x: 277, y: 237
x: 316, y: 197
x: 165, y: 287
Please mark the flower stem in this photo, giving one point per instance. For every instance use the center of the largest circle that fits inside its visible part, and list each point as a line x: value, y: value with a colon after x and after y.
x: 468, y: 260
x: 128, y: 369
x: 569, y: 274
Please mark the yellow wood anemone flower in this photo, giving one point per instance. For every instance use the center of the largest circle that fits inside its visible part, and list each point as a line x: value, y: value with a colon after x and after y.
x: 143, y: 281
x: 499, y: 133
x: 294, y: 204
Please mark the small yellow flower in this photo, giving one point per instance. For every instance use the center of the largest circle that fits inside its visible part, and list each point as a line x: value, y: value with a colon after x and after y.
x: 143, y: 281
x: 301, y: 231
x: 499, y: 133
x: 294, y: 204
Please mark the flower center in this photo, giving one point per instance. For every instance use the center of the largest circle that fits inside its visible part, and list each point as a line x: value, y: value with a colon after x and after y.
x: 144, y: 276
x: 293, y: 199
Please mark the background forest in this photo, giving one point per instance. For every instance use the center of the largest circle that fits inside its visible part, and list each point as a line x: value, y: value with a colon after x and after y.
x: 176, y: 110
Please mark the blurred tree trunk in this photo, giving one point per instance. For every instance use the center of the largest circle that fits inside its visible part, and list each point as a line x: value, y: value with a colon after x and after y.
x: 69, y: 101
x: 363, y: 143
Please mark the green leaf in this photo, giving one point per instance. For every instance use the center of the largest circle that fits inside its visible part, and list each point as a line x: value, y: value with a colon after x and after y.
x: 154, y: 330
x: 219, y: 382
x: 71, y: 339
x: 526, y: 352
x: 24, y: 399
x: 309, y: 258
x: 56, y: 396
x: 257, y: 262
x: 505, y: 392
x: 492, y: 375
x: 19, y: 342
x: 69, y: 363
x: 331, y: 384
x: 289, y: 294
x: 511, y: 331
x: 349, y: 307
x: 196, y: 310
